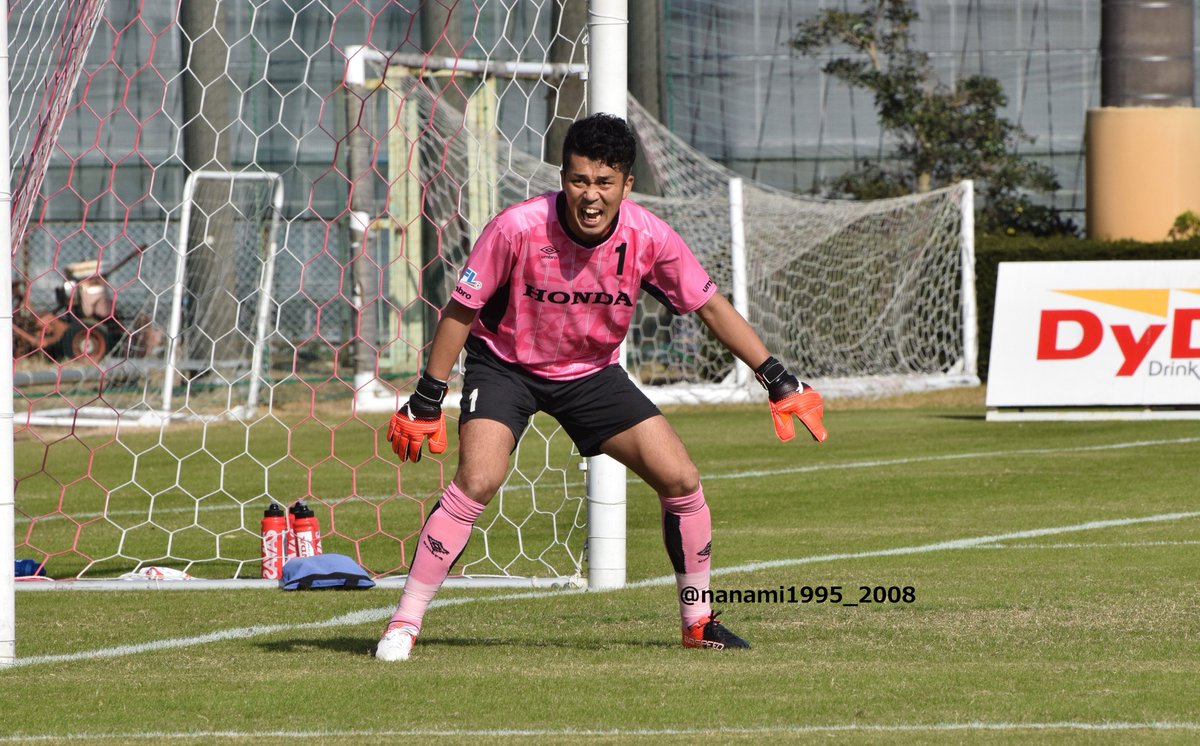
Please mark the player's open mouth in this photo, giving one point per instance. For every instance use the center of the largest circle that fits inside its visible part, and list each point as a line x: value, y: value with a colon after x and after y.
x: 591, y: 215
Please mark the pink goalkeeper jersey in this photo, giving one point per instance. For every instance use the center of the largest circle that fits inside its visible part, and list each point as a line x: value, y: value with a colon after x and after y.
x: 560, y: 309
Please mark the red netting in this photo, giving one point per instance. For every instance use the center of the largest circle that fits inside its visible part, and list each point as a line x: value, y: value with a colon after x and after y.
x: 232, y: 267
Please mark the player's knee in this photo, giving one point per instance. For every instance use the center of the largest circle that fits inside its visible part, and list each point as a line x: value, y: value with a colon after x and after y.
x: 479, y: 487
x: 685, y: 480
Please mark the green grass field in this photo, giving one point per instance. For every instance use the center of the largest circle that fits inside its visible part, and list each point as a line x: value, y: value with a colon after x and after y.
x: 1055, y: 569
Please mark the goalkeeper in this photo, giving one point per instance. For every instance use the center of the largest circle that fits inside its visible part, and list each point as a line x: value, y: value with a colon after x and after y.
x: 542, y: 305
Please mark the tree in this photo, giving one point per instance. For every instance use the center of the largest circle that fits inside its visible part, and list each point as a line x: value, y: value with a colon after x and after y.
x: 212, y: 299
x: 943, y: 134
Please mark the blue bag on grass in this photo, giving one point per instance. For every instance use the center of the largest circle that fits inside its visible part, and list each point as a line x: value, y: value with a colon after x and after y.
x: 324, y: 571
x: 27, y: 568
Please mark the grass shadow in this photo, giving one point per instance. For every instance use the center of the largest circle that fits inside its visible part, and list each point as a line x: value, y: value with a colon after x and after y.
x: 365, y: 645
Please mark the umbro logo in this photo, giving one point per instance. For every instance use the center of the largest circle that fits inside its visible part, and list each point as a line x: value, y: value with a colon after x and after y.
x: 549, y: 252
x: 439, y: 550
x: 706, y: 552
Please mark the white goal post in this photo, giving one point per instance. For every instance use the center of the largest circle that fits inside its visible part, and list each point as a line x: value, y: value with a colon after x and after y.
x: 8, y: 599
x: 608, y: 30
x: 266, y: 284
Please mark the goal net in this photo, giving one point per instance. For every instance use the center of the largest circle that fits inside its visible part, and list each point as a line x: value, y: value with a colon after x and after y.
x: 858, y: 297
x: 247, y: 223
x: 175, y: 328
x: 234, y: 257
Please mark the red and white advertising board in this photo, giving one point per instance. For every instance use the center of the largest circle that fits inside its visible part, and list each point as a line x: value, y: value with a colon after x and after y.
x: 1121, y: 339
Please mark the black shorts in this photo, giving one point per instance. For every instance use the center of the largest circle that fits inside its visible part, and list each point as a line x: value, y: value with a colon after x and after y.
x: 591, y: 409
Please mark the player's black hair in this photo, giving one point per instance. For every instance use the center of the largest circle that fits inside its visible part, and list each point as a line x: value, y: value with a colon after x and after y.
x: 602, y: 137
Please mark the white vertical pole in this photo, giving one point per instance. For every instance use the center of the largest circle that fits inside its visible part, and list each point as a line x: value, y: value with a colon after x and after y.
x: 608, y: 33
x: 8, y: 595
x: 175, y: 323
x: 266, y: 294
x: 970, y: 316
x: 366, y: 377
x: 737, y: 261
x: 608, y: 57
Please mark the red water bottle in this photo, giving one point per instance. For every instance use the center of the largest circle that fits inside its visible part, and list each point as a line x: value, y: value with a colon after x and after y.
x: 274, y: 541
x: 306, y: 530
x: 291, y: 532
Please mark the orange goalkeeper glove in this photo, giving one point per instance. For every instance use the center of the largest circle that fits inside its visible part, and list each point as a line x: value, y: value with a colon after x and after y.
x: 790, y: 397
x: 420, y: 418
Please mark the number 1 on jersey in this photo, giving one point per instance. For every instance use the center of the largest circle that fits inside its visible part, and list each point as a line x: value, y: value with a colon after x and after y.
x: 621, y: 261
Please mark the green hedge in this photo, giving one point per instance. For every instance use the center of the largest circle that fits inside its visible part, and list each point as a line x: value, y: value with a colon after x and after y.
x: 991, y: 250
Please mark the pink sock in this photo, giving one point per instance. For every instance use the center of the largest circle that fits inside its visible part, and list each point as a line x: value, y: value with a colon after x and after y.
x: 687, y: 532
x: 443, y: 538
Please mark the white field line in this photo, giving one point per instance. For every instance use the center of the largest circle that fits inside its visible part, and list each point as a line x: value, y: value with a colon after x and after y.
x: 1093, y: 545
x: 375, y: 499
x: 969, y: 543
x: 372, y: 615
x: 953, y: 457
x: 967, y: 727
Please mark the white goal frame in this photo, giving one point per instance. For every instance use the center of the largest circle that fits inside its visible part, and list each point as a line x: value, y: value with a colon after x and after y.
x: 168, y: 365
x: 266, y: 284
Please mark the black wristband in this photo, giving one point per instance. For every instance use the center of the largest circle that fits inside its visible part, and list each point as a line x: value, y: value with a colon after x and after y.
x: 431, y: 389
x: 769, y: 372
x: 773, y: 376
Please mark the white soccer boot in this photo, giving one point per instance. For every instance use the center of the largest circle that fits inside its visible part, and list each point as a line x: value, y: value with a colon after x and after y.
x: 397, y: 643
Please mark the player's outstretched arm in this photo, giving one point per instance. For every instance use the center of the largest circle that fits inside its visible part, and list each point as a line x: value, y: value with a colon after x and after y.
x: 788, y: 396
x: 421, y: 418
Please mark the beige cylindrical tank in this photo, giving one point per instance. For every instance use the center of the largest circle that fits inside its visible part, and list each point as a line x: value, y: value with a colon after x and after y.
x: 1143, y: 170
